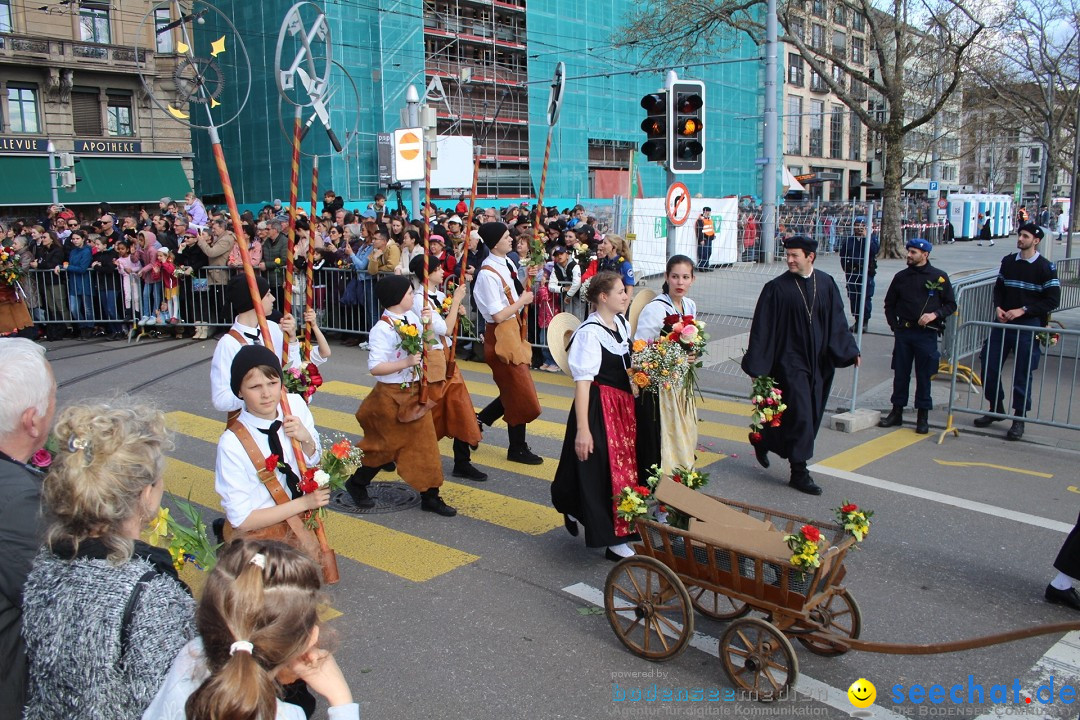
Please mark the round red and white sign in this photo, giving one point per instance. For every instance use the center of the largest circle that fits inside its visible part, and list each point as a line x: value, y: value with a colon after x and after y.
x: 678, y: 204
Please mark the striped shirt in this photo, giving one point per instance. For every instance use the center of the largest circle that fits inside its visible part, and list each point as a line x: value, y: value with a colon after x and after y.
x: 1030, y: 284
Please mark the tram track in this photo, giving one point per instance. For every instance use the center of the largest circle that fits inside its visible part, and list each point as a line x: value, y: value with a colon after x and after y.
x: 98, y: 372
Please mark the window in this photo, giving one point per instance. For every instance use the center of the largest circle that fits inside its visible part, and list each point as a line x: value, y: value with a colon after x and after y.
x: 854, y: 137
x: 857, y: 54
x: 22, y: 109
x: 1033, y: 175
x: 165, y: 42
x: 817, y: 83
x: 858, y: 22
x: 839, y: 76
x: 839, y: 15
x: 793, y: 126
x: 1033, y: 155
x: 839, y: 44
x: 5, y: 16
x: 94, y: 22
x: 948, y: 173
x: 818, y: 8
x: 86, y: 113
x: 817, y: 37
x: 795, y: 69
x: 797, y: 28
x: 836, y: 132
x: 817, y: 128
x: 854, y: 184
x: 119, y: 115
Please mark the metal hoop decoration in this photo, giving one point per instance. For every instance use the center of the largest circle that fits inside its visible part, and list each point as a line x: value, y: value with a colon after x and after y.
x: 203, y: 77
x: 286, y: 123
x: 293, y: 26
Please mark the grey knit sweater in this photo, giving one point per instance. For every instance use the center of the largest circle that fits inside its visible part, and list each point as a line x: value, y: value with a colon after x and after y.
x: 72, y: 614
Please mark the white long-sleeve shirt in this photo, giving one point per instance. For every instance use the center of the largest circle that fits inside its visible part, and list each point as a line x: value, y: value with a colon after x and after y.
x: 488, y: 293
x: 235, y: 477
x: 221, y: 365
x: 384, y: 345
x: 651, y: 319
x: 438, y: 324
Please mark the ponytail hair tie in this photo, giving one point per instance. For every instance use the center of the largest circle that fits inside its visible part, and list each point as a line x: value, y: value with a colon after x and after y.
x: 258, y: 559
x: 240, y: 646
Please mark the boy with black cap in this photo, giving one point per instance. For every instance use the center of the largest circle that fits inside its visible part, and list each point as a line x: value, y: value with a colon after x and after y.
x: 799, y: 337
x: 397, y: 428
x: 245, y: 331
x: 500, y: 297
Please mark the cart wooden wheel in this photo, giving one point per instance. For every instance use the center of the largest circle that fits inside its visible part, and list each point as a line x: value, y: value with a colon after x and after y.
x: 648, y: 608
x: 758, y: 658
x: 717, y: 606
x: 840, y: 615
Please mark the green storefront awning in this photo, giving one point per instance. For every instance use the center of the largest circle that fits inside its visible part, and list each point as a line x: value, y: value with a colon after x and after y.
x: 24, y: 180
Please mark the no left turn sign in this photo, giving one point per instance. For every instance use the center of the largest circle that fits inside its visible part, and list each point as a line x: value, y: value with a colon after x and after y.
x: 678, y: 204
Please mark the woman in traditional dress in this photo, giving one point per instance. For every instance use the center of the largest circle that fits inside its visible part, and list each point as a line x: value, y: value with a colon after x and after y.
x: 667, y: 419
x: 598, y: 458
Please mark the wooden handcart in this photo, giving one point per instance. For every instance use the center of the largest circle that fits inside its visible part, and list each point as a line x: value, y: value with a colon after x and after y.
x: 650, y: 600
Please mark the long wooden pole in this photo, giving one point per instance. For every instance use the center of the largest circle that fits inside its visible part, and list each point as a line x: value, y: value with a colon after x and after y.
x: 290, y: 261
x: 309, y: 293
x: 536, y: 230
x: 424, y: 275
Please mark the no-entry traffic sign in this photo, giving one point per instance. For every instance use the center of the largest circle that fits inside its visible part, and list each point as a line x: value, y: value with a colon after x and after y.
x: 678, y: 204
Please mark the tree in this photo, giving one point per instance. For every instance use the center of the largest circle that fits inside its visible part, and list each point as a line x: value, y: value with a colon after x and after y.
x: 913, y: 70
x: 1031, y: 66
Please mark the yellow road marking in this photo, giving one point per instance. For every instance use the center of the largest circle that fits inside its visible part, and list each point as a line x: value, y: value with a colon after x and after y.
x: 1073, y: 488
x: 994, y: 467
x: 503, y: 510
x: 368, y: 543
x: 543, y: 428
x: 873, y: 450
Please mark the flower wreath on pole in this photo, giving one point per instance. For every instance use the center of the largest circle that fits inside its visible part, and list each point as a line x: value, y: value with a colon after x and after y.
x: 769, y: 407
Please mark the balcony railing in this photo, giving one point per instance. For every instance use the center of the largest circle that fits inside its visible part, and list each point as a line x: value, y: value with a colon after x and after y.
x: 69, y: 52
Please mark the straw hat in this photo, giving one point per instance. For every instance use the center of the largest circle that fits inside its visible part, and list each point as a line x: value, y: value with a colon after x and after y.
x: 560, y: 329
x: 642, y: 297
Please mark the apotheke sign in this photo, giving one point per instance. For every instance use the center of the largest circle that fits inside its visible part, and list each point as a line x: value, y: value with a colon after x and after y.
x: 121, y: 147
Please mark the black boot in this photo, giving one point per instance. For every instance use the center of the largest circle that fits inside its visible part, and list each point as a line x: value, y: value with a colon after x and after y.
x: 519, y: 450
x: 922, y: 422
x: 463, y: 468
x: 895, y: 418
x: 801, y: 480
x: 431, y: 502
x: 762, y: 454
x: 1016, y: 431
x: 357, y: 486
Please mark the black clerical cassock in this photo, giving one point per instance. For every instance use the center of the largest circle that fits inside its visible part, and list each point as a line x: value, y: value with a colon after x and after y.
x: 799, y: 337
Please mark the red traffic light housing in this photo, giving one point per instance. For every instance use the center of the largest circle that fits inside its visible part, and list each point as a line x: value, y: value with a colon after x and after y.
x: 686, y: 145
x: 655, y: 125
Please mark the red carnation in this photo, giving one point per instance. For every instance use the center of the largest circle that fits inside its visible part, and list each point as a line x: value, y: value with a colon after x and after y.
x: 755, y: 438
x: 672, y: 319
x: 642, y: 491
x: 313, y: 373
x: 849, y: 508
x: 307, y: 483
x: 674, y: 337
x: 677, y: 478
x: 272, y: 463
x: 811, y: 533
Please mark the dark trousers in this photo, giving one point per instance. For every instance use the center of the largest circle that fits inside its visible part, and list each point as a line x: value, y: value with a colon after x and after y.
x: 999, y: 345
x: 1068, y: 557
x: 704, y: 251
x: 921, y: 346
x: 493, y: 412
x: 854, y: 287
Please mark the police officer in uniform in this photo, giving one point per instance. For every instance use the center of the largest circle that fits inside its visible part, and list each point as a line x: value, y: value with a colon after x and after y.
x: 916, y: 305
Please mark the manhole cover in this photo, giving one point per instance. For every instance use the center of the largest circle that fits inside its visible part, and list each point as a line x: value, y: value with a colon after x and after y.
x: 388, y: 496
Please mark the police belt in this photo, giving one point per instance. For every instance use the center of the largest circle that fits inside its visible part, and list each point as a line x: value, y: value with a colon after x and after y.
x: 914, y: 325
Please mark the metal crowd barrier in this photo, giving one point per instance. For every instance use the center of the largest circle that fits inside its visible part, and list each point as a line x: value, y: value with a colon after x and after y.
x: 974, y: 301
x: 1053, y: 354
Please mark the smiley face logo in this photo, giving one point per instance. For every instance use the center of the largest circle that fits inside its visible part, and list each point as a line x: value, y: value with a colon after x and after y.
x: 862, y: 693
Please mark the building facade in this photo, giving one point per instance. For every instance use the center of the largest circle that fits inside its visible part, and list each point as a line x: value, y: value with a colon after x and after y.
x: 824, y: 141
x: 69, y: 74
x: 487, y: 55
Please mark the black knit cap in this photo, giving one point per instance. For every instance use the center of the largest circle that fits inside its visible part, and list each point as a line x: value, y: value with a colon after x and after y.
x: 801, y: 242
x: 416, y: 265
x: 391, y: 289
x: 491, y: 233
x: 1033, y: 229
x: 238, y: 294
x: 249, y: 357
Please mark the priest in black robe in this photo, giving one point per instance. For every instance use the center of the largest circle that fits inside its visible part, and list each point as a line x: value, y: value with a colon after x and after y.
x: 799, y: 337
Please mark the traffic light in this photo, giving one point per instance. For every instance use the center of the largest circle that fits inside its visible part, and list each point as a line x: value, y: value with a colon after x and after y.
x: 67, y: 179
x: 686, y: 152
x: 655, y: 126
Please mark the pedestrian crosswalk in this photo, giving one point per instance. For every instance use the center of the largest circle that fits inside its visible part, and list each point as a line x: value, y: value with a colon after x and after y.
x: 510, y: 509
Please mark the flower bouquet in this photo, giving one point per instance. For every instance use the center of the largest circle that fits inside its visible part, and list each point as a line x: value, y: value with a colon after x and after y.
x: 769, y: 407
x: 805, y: 548
x: 189, y: 543
x: 689, y: 333
x: 336, y: 465
x: 411, y: 341
x: 465, y: 323
x: 11, y: 270
x: 854, y: 520
x: 303, y: 381
x: 632, y: 502
x: 658, y: 364
x: 1048, y: 339
x: 691, y: 478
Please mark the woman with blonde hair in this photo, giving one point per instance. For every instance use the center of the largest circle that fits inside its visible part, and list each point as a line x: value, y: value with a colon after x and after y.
x: 258, y: 629
x: 103, y: 612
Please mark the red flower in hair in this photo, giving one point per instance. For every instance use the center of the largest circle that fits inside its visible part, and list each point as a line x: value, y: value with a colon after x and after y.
x: 272, y: 463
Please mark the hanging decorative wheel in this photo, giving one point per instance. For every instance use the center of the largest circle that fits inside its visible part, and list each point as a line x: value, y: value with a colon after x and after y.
x: 198, y: 80
x: 717, y: 606
x: 758, y: 658
x: 648, y: 608
x: 839, y: 615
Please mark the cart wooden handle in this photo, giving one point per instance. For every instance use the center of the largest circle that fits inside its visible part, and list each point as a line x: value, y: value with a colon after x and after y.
x: 889, y: 648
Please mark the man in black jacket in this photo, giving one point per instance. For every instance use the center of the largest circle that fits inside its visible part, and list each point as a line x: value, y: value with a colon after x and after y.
x: 29, y: 391
x: 1026, y: 292
x: 919, y: 299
